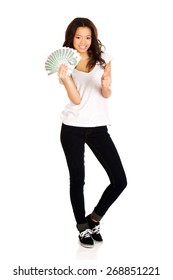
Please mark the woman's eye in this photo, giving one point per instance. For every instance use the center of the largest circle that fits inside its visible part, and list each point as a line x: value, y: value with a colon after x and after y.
x: 87, y: 38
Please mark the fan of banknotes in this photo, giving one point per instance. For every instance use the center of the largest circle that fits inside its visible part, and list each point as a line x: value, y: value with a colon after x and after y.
x: 64, y: 55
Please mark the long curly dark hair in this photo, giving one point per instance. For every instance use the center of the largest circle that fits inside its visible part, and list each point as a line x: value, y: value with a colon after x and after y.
x: 95, y: 49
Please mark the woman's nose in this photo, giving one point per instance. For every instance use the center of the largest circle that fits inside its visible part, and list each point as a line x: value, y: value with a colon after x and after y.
x: 82, y: 40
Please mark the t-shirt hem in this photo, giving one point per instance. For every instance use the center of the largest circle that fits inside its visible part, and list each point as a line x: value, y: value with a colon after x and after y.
x: 86, y: 125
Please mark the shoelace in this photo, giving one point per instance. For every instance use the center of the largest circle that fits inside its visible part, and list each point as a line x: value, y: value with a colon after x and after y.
x: 96, y: 229
x: 86, y: 233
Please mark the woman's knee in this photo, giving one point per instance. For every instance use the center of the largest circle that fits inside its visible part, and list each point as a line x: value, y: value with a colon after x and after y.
x: 77, y: 182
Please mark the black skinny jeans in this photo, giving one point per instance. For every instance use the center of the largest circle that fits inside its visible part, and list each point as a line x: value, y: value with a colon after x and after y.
x: 73, y: 141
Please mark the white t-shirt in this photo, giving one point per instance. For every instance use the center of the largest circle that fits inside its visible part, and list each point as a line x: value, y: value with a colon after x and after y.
x: 93, y: 108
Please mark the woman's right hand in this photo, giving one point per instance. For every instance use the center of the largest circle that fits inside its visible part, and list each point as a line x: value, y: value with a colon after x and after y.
x: 69, y: 84
x: 62, y: 73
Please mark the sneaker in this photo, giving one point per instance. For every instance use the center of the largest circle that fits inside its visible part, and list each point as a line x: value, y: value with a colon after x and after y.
x: 95, y: 228
x: 96, y: 233
x: 85, y: 238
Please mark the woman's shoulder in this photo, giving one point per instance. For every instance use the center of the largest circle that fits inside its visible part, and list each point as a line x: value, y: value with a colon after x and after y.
x: 107, y: 57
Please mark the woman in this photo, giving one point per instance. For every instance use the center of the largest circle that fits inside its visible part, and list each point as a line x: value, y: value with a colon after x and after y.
x: 84, y: 121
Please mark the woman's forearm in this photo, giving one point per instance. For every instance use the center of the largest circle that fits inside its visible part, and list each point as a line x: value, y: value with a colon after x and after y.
x: 72, y: 91
x: 69, y: 84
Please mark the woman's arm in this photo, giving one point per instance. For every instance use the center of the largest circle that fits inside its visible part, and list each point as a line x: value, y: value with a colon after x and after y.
x: 69, y: 85
x: 106, y: 81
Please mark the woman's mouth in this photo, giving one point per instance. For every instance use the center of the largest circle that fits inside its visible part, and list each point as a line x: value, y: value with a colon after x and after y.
x: 82, y: 47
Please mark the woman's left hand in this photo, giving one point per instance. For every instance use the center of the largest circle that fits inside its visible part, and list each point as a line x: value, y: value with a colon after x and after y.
x: 106, y: 77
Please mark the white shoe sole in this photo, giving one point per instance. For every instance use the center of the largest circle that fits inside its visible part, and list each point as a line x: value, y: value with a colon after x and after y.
x: 86, y: 245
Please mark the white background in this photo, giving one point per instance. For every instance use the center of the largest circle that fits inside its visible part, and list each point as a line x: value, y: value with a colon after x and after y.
x: 37, y: 223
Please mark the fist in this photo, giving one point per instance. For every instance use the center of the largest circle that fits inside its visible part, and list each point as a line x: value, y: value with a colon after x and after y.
x: 62, y: 72
x: 106, y: 77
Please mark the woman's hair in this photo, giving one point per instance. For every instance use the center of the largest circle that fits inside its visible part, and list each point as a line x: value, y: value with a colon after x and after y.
x: 95, y: 49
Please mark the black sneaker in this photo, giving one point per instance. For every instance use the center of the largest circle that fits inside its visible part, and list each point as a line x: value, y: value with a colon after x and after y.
x: 96, y: 233
x: 85, y: 238
x: 95, y: 228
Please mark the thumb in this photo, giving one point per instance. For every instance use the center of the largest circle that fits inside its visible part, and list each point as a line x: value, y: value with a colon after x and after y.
x: 106, y: 71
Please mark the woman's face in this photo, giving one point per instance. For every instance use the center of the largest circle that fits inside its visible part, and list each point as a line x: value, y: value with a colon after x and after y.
x: 82, y: 39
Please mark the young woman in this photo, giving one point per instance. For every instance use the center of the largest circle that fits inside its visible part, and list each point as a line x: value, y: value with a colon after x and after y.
x: 84, y: 121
